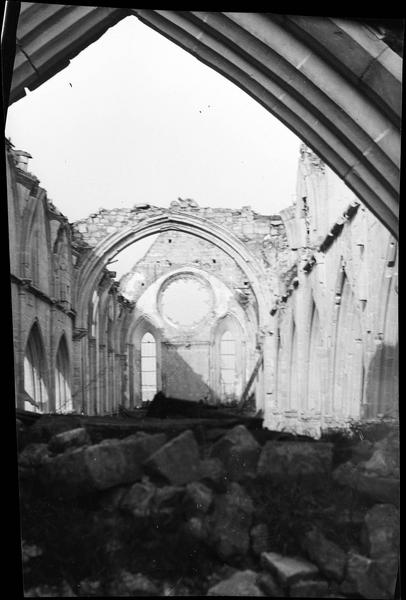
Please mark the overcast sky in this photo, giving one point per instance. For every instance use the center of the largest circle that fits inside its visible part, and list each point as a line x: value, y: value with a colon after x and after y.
x: 134, y: 118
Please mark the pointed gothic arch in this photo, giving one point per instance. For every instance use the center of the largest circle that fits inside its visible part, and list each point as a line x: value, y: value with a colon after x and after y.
x: 314, y: 375
x: 63, y: 395
x: 229, y: 341
x: 348, y: 372
x: 35, y: 372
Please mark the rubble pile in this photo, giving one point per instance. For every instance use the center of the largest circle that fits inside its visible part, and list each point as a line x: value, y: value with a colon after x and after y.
x: 153, y: 514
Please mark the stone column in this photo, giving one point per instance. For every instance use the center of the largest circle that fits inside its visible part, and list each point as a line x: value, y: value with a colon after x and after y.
x: 130, y: 385
x: 103, y: 379
x: 93, y: 375
x: 80, y: 375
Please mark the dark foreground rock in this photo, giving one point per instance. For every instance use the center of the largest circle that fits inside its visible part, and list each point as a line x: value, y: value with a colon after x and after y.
x: 73, y: 438
x: 178, y: 461
x: 239, y: 452
x: 144, y: 516
x: 295, y: 460
x: 99, y: 467
x: 242, y: 583
x: 288, y: 569
x: 327, y: 555
x: 231, y: 521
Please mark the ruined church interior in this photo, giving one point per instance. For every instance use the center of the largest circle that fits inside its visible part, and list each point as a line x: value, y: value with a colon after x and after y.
x: 285, y: 323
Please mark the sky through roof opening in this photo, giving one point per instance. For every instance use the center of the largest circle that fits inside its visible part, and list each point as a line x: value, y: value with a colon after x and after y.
x: 136, y: 119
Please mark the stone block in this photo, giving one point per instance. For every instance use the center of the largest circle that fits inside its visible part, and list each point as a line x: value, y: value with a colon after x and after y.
x: 309, y: 589
x: 197, y: 528
x: 383, y: 463
x: 138, y: 500
x: 382, y: 530
x: 120, y: 461
x: 213, y: 472
x: 239, y: 452
x: 73, y: 438
x: 166, y: 504
x: 110, y: 499
x: 99, y: 467
x: 386, y: 571
x: 259, y: 538
x: 242, y: 583
x: 50, y: 425
x: 177, y: 461
x: 198, y: 498
x: 288, y: 569
x: 329, y: 557
x: 33, y: 456
x: 378, y: 489
x: 282, y: 460
x: 267, y: 583
x: 361, y: 578
x: 133, y: 584
x: 230, y: 522
x: 362, y: 451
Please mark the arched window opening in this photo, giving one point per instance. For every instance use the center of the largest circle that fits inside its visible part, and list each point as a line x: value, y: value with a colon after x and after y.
x: 314, y: 373
x: 227, y: 365
x: 294, y: 372
x: 63, y: 398
x: 347, y: 391
x: 34, y: 374
x: 148, y: 368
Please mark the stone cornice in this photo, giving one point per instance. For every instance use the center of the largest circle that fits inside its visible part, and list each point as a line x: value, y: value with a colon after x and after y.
x: 28, y: 286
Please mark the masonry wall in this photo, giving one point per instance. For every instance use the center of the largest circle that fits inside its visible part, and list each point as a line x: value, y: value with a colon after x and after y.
x: 338, y: 325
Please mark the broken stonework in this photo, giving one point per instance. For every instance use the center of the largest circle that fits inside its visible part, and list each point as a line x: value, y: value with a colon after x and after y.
x: 33, y: 456
x: 386, y: 572
x: 197, y: 528
x: 198, y: 498
x: 385, y: 458
x: 111, y: 498
x: 166, y: 503
x: 90, y: 587
x: 231, y: 521
x: 329, y: 557
x: 379, y: 489
x: 282, y: 460
x: 212, y: 472
x: 382, y: 530
x: 73, y: 438
x: 29, y: 551
x: 288, y: 569
x: 362, y: 451
x: 52, y: 591
x: 239, y: 451
x: 177, y: 461
x: 132, y: 584
x: 361, y: 578
x: 49, y: 425
x: 308, y: 589
x: 242, y: 583
x: 138, y: 500
x: 99, y: 467
x: 259, y: 538
x: 267, y: 583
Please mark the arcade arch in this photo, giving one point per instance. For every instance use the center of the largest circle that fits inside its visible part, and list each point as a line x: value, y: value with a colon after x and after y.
x: 35, y: 372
